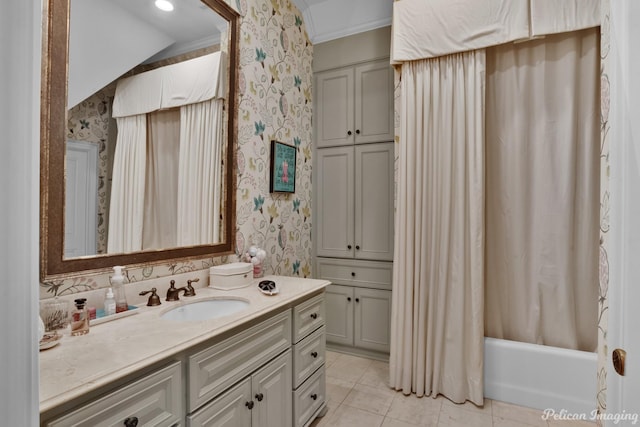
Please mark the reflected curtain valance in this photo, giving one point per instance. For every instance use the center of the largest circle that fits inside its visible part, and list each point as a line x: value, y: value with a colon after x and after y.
x: 428, y: 29
x: 184, y: 83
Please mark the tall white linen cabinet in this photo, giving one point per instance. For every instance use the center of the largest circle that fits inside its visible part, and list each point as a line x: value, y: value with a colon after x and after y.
x: 354, y: 189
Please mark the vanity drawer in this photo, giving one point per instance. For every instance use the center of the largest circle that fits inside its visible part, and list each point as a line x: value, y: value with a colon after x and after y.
x: 307, y: 317
x: 155, y: 400
x: 216, y: 368
x: 308, y: 398
x: 308, y: 356
x: 368, y: 274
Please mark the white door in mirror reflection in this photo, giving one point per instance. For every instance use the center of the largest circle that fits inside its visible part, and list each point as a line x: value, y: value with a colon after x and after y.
x: 81, y: 203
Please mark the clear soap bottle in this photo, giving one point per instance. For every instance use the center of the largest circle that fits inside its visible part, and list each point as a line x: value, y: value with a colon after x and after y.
x: 109, y: 303
x: 117, y: 285
x: 80, y: 318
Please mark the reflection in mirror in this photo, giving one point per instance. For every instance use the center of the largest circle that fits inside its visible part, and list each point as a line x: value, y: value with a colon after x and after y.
x: 145, y: 134
x: 160, y: 181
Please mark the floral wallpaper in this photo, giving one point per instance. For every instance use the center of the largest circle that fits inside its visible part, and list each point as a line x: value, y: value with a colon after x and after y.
x: 89, y: 122
x: 274, y: 103
x: 603, y: 302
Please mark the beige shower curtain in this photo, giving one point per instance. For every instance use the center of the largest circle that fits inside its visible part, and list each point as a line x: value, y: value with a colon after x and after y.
x: 200, y: 173
x: 126, y: 212
x: 543, y: 175
x: 161, y: 189
x: 438, y: 295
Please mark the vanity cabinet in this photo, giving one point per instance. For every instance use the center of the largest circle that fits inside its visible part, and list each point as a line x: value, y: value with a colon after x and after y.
x: 354, y: 104
x: 355, y: 192
x: 265, y: 373
x: 358, y: 305
x: 153, y: 400
x: 261, y: 400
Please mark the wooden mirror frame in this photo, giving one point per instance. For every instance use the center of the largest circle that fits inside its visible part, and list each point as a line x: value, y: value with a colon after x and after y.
x: 53, y: 121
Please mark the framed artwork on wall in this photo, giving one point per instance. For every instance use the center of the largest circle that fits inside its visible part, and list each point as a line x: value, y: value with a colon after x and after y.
x: 283, y: 168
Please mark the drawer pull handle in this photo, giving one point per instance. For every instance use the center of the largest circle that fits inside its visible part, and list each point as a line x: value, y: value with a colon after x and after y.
x: 358, y: 131
x: 314, y: 316
x: 348, y: 246
x: 357, y: 299
x: 349, y: 132
x: 259, y: 397
x: 314, y: 396
x: 349, y: 299
x: 249, y: 404
x: 353, y: 274
x: 357, y: 247
x: 314, y: 354
x: 131, y: 422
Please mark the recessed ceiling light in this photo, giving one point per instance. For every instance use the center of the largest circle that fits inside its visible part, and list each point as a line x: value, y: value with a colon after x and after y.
x: 165, y: 5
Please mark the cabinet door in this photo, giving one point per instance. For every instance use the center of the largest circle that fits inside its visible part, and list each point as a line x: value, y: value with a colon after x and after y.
x: 334, y: 106
x: 231, y: 409
x: 373, y: 319
x: 374, y: 193
x: 335, y: 202
x: 271, y: 390
x: 339, y: 307
x: 374, y: 102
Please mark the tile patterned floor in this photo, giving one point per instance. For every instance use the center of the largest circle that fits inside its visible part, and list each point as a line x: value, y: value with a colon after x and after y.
x: 358, y: 395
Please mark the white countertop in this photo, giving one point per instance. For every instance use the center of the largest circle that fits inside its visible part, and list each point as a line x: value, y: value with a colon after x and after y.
x: 115, y: 349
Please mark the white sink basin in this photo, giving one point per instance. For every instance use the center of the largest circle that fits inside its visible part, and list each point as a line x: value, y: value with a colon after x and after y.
x: 205, y: 310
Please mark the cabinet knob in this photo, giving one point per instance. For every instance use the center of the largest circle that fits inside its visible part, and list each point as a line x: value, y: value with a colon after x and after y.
x: 314, y: 354
x: 131, y: 422
x: 348, y: 246
x: 353, y: 274
x: 259, y: 397
x: 314, y: 316
x: 358, y: 131
x: 249, y: 404
x: 357, y: 247
x: 349, y: 299
x: 314, y: 396
x: 357, y: 299
x: 349, y: 132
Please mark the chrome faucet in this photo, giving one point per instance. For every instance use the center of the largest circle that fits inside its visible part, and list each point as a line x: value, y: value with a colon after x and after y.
x: 173, y: 293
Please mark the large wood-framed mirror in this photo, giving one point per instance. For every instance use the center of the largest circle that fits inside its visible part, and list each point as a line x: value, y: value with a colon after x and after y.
x: 78, y: 200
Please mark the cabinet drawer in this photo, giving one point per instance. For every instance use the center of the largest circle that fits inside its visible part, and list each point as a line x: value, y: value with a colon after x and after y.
x: 369, y: 274
x: 308, y: 398
x: 155, y: 400
x: 307, y: 317
x: 218, y: 367
x: 308, y: 355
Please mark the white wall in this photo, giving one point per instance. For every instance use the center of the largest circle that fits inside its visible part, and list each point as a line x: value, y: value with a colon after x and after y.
x: 623, y: 392
x: 367, y: 46
x: 20, y: 39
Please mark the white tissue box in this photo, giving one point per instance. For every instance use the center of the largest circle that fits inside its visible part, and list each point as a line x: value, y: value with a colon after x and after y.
x: 231, y: 276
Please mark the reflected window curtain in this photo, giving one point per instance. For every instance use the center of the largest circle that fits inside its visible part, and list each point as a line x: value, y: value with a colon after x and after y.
x: 199, y: 180
x: 437, y: 336
x: 543, y: 190
x: 163, y: 151
x: 126, y: 211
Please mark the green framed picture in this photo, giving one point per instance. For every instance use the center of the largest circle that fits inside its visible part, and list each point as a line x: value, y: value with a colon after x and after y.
x: 283, y: 168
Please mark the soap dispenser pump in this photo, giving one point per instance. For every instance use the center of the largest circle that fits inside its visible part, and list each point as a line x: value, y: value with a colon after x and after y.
x: 117, y: 285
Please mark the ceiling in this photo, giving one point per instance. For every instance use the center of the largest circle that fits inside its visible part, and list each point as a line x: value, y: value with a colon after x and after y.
x: 331, y: 19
